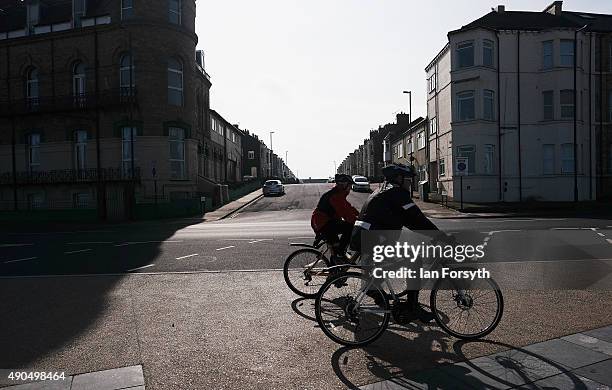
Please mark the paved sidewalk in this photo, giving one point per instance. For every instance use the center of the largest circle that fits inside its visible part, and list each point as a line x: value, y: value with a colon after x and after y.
x: 577, y: 361
x: 233, y: 206
x: 124, y: 378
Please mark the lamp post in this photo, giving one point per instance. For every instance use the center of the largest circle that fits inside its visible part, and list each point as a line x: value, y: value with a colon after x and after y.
x: 409, y: 104
x: 271, y: 150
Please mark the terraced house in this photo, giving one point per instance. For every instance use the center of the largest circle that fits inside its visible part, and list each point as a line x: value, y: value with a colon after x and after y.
x: 104, y: 105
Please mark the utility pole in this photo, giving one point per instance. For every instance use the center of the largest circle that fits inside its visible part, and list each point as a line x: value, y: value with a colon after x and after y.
x: 409, y: 105
x: 271, y: 151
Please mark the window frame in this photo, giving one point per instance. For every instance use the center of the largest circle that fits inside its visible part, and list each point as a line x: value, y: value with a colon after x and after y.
x: 178, y: 138
x: 548, y: 160
x: 551, y: 106
x: 32, y: 87
x: 491, y: 97
x: 551, y: 56
x: 433, y: 126
x: 563, y: 44
x: 126, y: 86
x: 567, y: 92
x: 126, y: 146
x: 34, y: 141
x: 79, y: 80
x: 80, y: 150
x: 179, y: 73
x: 488, y: 44
x: 565, y: 159
x: 124, y: 13
x: 442, y: 168
x: 467, y: 45
x: 462, y: 96
x: 421, y: 139
x: 178, y: 12
x: 251, y: 155
x: 489, y: 159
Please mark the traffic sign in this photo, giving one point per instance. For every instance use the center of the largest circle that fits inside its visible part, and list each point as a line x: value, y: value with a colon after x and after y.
x: 461, y: 166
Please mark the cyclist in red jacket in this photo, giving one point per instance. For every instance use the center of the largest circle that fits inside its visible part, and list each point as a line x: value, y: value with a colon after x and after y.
x: 334, y: 215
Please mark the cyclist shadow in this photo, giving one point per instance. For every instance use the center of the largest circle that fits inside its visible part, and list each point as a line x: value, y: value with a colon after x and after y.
x: 304, y: 307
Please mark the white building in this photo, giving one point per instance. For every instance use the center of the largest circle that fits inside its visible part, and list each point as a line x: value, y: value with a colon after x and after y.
x: 501, y: 93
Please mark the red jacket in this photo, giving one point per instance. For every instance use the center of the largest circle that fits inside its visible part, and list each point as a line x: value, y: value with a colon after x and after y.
x: 333, y: 205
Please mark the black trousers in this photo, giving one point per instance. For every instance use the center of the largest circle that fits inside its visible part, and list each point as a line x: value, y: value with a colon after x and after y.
x: 336, y: 227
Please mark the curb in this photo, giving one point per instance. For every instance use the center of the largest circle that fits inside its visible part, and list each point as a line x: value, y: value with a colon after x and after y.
x: 241, y: 207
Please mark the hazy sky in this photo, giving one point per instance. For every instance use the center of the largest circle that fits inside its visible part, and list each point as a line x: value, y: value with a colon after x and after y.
x: 322, y: 73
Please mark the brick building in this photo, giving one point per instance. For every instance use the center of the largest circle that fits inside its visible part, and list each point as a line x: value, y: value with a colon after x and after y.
x: 103, y: 104
x: 228, y: 140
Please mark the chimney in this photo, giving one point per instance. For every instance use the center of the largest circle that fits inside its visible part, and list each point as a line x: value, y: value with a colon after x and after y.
x: 500, y: 9
x: 555, y: 8
x: 402, y: 119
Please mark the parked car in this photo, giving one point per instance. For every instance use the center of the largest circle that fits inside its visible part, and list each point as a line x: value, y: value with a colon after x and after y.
x: 273, y: 187
x: 361, y: 184
x: 331, y: 180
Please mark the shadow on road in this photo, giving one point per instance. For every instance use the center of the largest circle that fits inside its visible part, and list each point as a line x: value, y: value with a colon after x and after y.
x: 300, y: 304
x: 45, y: 316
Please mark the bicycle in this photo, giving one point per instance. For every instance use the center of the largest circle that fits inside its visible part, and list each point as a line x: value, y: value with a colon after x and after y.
x: 307, y: 269
x: 363, y: 314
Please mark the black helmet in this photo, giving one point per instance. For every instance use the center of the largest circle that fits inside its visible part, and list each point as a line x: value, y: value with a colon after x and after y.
x: 394, y: 170
x: 342, y: 178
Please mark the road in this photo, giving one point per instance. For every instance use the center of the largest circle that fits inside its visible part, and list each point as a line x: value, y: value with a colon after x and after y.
x: 173, y: 296
x: 257, y: 238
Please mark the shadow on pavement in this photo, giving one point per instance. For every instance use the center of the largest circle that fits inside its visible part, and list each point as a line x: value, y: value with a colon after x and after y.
x: 299, y: 304
x: 47, y: 315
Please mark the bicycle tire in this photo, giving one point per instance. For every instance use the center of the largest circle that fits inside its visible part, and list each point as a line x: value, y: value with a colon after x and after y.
x: 473, y: 336
x: 331, y: 283
x: 287, y: 268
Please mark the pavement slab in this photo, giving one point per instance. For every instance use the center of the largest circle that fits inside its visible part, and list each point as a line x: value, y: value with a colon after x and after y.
x: 566, y: 353
x: 600, y: 372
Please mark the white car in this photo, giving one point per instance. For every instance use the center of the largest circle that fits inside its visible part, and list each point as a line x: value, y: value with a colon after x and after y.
x: 273, y: 187
x: 361, y: 184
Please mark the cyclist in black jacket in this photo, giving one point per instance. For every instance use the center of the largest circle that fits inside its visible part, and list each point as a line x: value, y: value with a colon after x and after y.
x: 391, y: 208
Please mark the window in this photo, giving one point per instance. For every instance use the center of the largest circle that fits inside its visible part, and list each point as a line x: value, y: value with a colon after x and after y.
x: 127, y: 79
x: 78, y: 11
x: 80, y: 200
x: 176, y: 140
x: 34, y: 151
x: 32, y: 88
x: 421, y: 140
x: 567, y: 52
x: 400, y: 150
x: 251, y: 155
x: 127, y: 134
x: 488, y: 98
x: 80, y: 149
x: 465, y: 54
x: 468, y: 151
x: 78, y: 84
x: 127, y: 9
x: 547, y: 54
x: 409, y: 146
x: 465, y: 106
x: 442, y: 168
x: 548, y: 104
x: 422, y: 172
x: 36, y: 200
x: 548, y: 159
x: 489, y: 152
x: 567, y: 158
x: 433, y: 126
x: 175, y: 82
x: 487, y: 52
x: 432, y: 82
x: 567, y: 104
x: 174, y: 11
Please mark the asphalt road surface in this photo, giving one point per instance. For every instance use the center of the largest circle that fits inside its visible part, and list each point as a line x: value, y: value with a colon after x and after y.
x: 172, y: 297
x: 257, y: 238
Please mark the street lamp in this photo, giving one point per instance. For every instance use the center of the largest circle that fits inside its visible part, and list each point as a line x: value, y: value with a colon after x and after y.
x: 409, y: 104
x: 270, y: 168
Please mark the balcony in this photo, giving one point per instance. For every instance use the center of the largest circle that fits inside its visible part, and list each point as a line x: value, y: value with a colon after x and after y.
x: 70, y: 176
x: 51, y: 104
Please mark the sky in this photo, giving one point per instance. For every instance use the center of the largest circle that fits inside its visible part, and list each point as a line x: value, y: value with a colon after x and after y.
x: 321, y: 73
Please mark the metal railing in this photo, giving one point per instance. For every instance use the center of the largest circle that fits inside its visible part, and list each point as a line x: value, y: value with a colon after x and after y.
x: 70, y: 176
x: 84, y: 101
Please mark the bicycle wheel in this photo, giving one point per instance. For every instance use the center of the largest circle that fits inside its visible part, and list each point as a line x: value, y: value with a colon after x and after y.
x: 467, y: 309
x: 348, y: 316
x: 305, y: 271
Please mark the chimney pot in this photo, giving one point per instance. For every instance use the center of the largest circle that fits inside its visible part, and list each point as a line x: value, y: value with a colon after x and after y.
x: 556, y: 8
x: 500, y: 9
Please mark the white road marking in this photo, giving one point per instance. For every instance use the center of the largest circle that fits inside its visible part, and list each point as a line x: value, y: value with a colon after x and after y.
x: 567, y: 228
x: 609, y: 240
x: 225, y: 247
x: 143, y: 267
x: 148, y: 242
x: 13, y: 245
x: 79, y: 251
x: 184, y: 257
x: 15, y: 261
x: 259, y: 240
x: 502, y: 231
x: 601, y: 234
x: 487, y: 239
x: 301, y: 238
x: 89, y: 242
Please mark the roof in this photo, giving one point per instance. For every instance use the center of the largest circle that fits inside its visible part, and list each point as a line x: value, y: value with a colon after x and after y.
x: 538, y: 21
